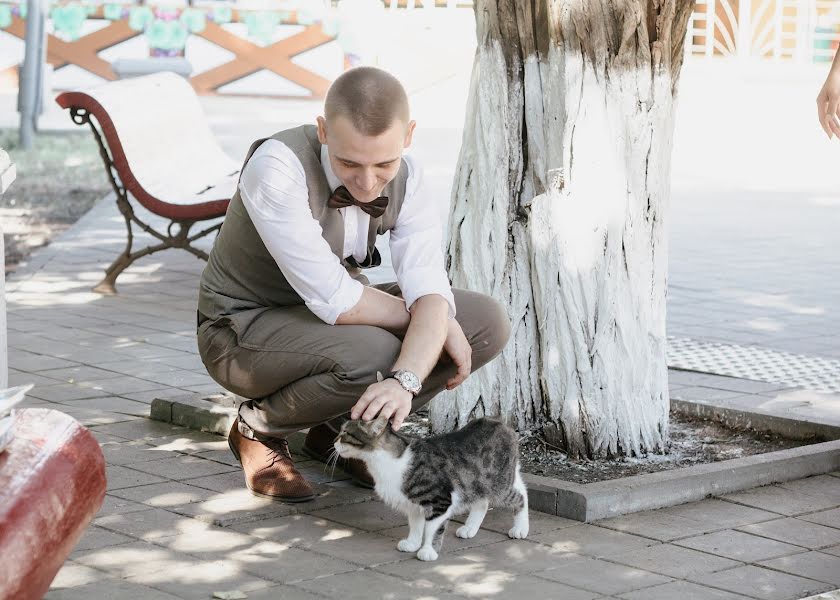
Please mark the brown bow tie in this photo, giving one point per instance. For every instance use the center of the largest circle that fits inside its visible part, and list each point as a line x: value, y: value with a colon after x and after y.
x: 341, y: 198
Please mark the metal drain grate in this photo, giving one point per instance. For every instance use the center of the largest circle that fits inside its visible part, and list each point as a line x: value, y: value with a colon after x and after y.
x: 758, y: 364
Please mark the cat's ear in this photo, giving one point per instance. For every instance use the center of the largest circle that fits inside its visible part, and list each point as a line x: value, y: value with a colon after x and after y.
x: 378, y: 425
x: 379, y: 377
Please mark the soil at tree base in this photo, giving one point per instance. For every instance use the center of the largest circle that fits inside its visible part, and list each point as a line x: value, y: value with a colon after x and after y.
x: 693, y: 441
x: 57, y: 182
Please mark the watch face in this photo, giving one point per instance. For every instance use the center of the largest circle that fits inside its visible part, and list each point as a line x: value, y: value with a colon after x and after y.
x: 409, y: 380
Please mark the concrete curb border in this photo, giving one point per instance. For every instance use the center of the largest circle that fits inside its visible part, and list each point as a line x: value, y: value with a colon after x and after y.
x: 604, y: 499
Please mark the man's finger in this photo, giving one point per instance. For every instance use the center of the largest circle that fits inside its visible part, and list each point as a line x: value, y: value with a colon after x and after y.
x: 388, y: 410
x: 373, y: 408
x: 399, y: 416
x: 361, y: 404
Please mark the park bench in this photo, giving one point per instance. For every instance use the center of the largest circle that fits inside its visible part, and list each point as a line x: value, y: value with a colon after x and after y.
x: 159, y: 152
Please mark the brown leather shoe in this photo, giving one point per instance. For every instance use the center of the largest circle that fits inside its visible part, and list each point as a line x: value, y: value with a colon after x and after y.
x: 269, y: 470
x: 319, y: 445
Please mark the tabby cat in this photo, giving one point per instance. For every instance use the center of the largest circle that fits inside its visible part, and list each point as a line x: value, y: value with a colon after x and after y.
x: 433, y: 479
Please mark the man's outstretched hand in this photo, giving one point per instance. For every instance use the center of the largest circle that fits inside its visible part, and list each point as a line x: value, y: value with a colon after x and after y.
x: 386, y: 399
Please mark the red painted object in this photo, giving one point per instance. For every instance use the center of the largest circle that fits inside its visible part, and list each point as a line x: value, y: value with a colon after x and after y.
x: 52, y: 483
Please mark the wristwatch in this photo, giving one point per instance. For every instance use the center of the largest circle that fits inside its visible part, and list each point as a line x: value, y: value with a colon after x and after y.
x: 408, y: 380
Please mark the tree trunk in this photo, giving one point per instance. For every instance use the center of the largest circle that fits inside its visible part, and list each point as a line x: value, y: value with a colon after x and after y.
x: 558, y: 210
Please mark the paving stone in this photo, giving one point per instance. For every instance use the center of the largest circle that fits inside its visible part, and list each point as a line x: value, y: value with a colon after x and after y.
x: 739, y: 546
x: 78, y: 373
x: 66, y: 392
x: 783, y: 500
x: 190, y: 442
x: 97, y: 537
x: 90, y: 417
x: 363, y: 585
x: 224, y: 482
x: 167, y: 494
x: 370, y: 516
x: 124, y: 452
x: 299, y: 530
x: 23, y: 378
x: 829, y: 518
x: 762, y: 583
x: 602, y: 577
x: 114, y: 405
x: 591, y: 540
x: 833, y: 550
x: 123, y: 590
x: 113, y: 505
x: 725, y: 515
x: 122, y: 477
x: 146, y: 525
x: 453, y: 573
x: 229, y: 509
x: 72, y: 575
x: 683, y: 590
x: 519, y: 556
x: 282, y: 564
x: 205, y: 541
x: 813, y: 565
x: 31, y: 362
x: 819, y: 486
x: 183, y: 467
x: 657, y: 525
x: 144, y: 430
x: 797, y: 532
x: 283, y: 592
x: 674, y: 561
x: 128, y: 560
x: 366, y: 549
x: 224, y: 456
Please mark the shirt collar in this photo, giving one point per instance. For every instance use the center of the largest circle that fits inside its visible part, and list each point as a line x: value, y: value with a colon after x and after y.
x: 332, y: 180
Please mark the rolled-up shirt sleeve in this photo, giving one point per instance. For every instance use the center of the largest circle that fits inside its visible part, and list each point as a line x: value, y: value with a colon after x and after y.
x: 273, y: 190
x: 417, y: 244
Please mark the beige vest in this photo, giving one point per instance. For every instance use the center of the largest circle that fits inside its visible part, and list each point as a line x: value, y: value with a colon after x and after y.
x: 241, y: 275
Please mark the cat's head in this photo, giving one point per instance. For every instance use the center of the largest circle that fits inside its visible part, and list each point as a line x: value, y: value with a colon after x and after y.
x: 360, y: 439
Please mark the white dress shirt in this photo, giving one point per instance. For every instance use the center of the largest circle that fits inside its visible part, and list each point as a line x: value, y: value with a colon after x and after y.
x: 273, y: 190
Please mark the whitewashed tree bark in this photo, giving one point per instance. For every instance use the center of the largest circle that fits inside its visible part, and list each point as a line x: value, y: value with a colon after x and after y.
x: 558, y: 210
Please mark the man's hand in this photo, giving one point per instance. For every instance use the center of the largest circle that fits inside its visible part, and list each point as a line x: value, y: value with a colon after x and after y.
x: 387, y: 399
x: 460, y: 351
x: 828, y: 104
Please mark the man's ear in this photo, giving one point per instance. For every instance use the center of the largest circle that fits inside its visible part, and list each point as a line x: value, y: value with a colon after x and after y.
x: 378, y: 426
x: 322, y: 130
x: 409, y: 132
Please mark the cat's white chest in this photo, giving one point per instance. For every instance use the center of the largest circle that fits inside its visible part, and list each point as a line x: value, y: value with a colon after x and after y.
x: 388, y: 472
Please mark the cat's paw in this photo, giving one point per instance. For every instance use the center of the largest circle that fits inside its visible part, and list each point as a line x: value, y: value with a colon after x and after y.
x: 466, y: 532
x: 518, y: 532
x: 407, y: 545
x: 427, y: 554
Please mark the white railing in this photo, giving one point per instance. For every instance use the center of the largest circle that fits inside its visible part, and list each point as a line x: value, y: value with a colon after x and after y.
x: 801, y: 30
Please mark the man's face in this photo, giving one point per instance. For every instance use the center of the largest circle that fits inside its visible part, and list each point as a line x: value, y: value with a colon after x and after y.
x: 364, y: 164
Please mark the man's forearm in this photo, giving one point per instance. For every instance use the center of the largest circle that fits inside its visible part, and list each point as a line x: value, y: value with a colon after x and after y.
x: 425, y: 336
x: 379, y: 309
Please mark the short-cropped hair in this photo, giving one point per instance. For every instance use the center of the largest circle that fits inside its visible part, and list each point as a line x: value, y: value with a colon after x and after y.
x: 372, y: 99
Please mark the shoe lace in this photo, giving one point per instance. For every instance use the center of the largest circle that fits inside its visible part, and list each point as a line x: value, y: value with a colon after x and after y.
x: 278, y: 450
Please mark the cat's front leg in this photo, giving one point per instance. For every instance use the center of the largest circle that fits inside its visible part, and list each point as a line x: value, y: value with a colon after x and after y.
x: 416, y: 523
x: 470, y: 527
